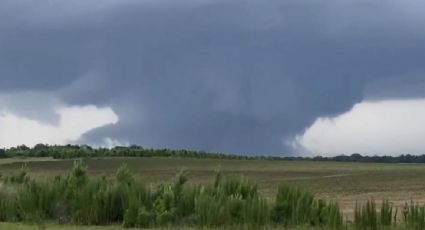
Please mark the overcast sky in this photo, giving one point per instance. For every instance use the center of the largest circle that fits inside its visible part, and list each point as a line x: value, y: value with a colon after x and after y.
x: 242, y: 76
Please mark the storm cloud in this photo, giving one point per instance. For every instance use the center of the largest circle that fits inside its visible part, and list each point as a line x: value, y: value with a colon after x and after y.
x: 232, y: 76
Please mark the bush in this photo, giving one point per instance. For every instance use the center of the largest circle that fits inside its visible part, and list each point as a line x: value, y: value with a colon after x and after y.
x: 294, y: 207
x: 124, y: 176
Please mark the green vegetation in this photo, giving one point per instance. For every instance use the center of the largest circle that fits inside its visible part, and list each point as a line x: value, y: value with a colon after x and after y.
x: 122, y: 199
x: 337, y: 185
x: 367, y: 216
x: 78, y: 151
x: 80, y: 199
x: 52, y: 226
x: 294, y: 207
x: 346, y: 182
x: 414, y: 215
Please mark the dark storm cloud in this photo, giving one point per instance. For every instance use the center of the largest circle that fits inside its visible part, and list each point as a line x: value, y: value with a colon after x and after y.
x: 233, y: 76
x: 409, y: 86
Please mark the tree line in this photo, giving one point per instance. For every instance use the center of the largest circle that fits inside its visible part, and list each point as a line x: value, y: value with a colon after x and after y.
x: 83, y: 151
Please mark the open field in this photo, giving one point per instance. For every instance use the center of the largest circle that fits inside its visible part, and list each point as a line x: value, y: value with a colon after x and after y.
x: 343, y: 182
x: 24, y: 160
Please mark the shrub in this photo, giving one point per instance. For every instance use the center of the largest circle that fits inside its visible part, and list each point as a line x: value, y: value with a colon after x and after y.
x: 294, y: 207
x: 144, y: 218
x: 124, y: 176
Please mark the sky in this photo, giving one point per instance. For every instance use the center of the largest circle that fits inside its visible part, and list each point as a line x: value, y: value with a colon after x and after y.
x: 287, y: 77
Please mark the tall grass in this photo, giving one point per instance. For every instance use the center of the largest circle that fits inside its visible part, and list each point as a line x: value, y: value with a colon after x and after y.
x: 295, y: 207
x: 368, y: 216
x: 77, y: 198
x: 387, y: 216
x: 414, y: 216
